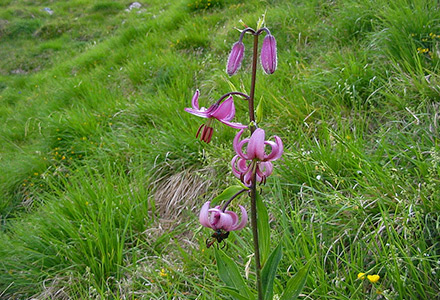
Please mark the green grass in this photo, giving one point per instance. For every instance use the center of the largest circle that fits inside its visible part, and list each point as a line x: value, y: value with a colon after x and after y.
x: 102, y: 177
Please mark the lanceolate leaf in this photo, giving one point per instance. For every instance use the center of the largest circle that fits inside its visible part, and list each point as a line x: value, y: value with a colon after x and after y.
x: 263, y: 230
x: 296, y: 283
x: 269, y: 271
x: 230, y: 274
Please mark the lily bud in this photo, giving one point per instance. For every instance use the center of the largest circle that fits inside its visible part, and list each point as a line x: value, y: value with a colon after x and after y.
x: 269, y: 54
x: 235, y: 58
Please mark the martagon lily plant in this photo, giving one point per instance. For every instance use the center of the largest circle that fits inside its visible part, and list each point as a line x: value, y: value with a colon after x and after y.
x: 252, y: 165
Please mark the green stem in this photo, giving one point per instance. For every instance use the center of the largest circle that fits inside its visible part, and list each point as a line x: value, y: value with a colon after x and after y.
x: 253, y: 192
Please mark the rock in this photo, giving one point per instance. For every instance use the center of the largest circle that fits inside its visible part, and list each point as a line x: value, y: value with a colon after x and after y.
x: 48, y: 10
x: 134, y: 5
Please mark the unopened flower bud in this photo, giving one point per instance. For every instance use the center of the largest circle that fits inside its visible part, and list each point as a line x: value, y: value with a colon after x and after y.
x: 269, y: 54
x: 235, y: 58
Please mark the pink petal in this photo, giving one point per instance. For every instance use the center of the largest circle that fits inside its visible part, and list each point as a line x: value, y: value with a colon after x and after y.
x: 237, y: 144
x: 221, y: 220
x: 273, y: 152
x: 226, y: 110
x: 198, y: 113
x: 247, y: 178
x: 214, y: 217
x: 264, y: 169
x: 234, y: 125
x: 244, y: 219
x: 242, y: 166
x: 279, y: 141
x: 234, y: 170
x: 234, y: 218
x: 276, y: 151
x: 204, y: 215
x: 255, y: 147
x: 195, y: 100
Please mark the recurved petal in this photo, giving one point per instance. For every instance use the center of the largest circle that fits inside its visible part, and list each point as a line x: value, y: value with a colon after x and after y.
x: 255, y: 148
x: 195, y: 100
x: 247, y: 178
x: 204, y: 215
x: 264, y: 169
x: 238, y: 145
x: 276, y: 151
x: 234, y: 169
x: 234, y: 218
x: 279, y: 141
x: 242, y: 165
x: 273, y: 152
x: 244, y: 219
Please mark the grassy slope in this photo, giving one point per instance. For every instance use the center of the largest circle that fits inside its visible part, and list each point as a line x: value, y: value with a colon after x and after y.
x: 104, y: 146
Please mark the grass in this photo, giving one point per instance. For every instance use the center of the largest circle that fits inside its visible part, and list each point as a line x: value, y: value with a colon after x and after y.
x: 102, y: 177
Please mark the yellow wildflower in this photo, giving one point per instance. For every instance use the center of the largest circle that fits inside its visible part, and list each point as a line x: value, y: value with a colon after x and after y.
x: 361, y: 276
x: 373, y: 278
x: 162, y: 273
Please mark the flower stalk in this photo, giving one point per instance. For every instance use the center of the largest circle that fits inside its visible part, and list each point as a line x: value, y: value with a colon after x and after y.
x: 252, y: 165
x: 253, y: 188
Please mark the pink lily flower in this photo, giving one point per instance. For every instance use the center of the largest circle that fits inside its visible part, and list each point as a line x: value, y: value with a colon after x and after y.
x: 223, y: 112
x: 255, y: 160
x: 216, y: 219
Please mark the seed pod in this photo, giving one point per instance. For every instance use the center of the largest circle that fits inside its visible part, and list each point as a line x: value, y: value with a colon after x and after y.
x: 235, y: 58
x: 269, y: 54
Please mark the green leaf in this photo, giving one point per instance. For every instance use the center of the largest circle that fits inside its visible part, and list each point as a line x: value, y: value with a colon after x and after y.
x: 230, y: 274
x: 296, y: 283
x: 229, y: 82
x: 260, y: 110
x: 234, y: 294
x: 263, y: 229
x: 226, y: 194
x: 269, y: 271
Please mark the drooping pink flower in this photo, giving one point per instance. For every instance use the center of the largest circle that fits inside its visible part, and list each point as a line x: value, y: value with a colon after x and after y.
x: 224, y: 112
x: 215, y: 218
x: 256, y: 146
x: 235, y: 58
x: 255, y: 160
x: 269, y: 54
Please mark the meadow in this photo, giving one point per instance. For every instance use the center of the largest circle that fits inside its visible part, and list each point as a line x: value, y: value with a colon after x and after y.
x: 102, y: 177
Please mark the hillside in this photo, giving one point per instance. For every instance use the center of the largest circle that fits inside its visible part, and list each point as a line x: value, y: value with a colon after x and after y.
x: 103, y: 178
